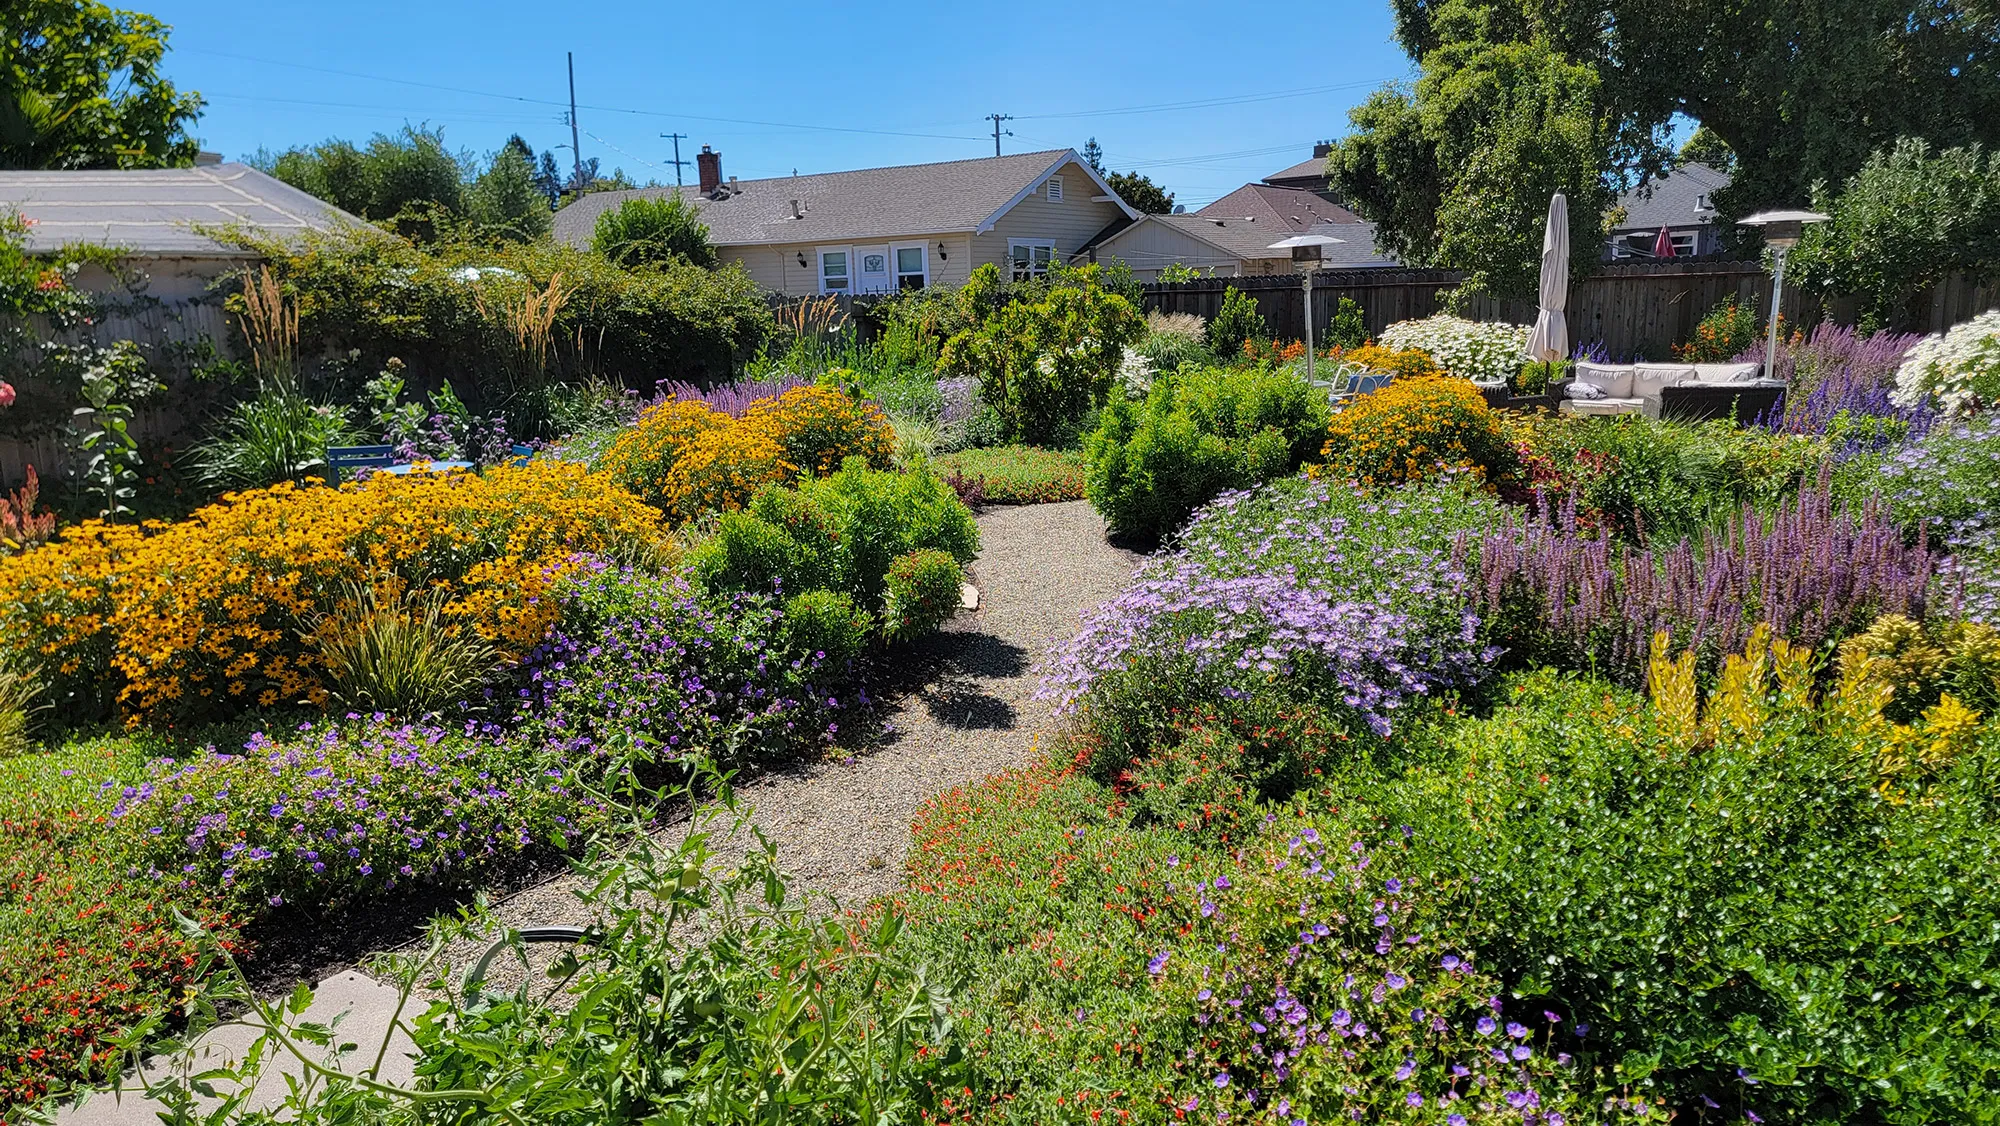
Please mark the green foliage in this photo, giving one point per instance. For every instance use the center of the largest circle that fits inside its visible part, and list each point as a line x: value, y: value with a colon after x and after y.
x: 81, y: 87
x: 20, y: 686
x: 922, y: 594
x: 277, y: 436
x: 1909, y: 217
x: 1195, y: 435
x: 1170, y: 351
x: 113, y: 380
x: 88, y: 945
x: 1705, y: 146
x: 1661, y: 482
x: 829, y: 622
x: 710, y: 992
x: 358, y: 291
x: 1138, y: 190
x: 653, y: 230
x: 1043, y: 364
x: 1723, y: 333
x: 1237, y: 321
x: 398, y: 656
x: 1724, y: 901
x: 1020, y: 474
x: 1790, y: 117
x: 841, y: 532
x: 1458, y: 171
x: 1350, y: 326
x: 409, y: 180
x: 504, y: 202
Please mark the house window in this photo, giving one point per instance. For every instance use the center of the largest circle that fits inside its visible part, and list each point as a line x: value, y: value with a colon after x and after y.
x: 1055, y: 189
x: 833, y: 271
x: 1683, y: 245
x: 912, y: 267
x: 1030, y: 257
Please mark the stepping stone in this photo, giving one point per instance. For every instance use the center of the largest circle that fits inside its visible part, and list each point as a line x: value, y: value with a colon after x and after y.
x: 968, y: 596
x: 367, y: 1005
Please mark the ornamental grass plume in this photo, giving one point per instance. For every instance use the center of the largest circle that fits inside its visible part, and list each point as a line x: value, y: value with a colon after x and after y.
x: 1814, y: 573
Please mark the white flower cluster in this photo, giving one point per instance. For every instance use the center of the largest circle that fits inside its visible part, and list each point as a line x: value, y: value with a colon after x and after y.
x: 1482, y: 351
x: 1135, y: 373
x: 1960, y: 369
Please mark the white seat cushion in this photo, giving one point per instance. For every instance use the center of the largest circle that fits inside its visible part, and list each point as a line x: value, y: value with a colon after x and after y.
x: 1602, y: 406
x: 1726, y: 373
x: 1647, y: 379
x: 1614, y: 381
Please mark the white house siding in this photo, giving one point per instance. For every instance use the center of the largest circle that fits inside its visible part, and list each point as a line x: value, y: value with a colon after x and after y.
x: 776, y: 267
x: 1150, y: 247
x: 1070, y: 223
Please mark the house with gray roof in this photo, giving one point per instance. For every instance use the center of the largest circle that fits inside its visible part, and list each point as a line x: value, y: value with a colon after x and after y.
x: 1682, y: 202
x: 155, y: 219
x: 875, y: 230
x: 1232, y: 237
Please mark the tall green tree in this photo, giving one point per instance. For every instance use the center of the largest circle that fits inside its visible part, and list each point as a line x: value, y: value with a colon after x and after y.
x: 1141, y: 192
x: 1458, y: 171
x: 1798, y: 90
x: 408, y: 180
x: 1706, y: 146
x: 80, y: 87
x: 505, y: 202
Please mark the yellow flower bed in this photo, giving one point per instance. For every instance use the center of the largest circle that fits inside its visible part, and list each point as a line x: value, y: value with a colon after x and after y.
x: 215, y: 613
x: 1410, y: 363
x: 688, y: 459
x: 1412, y: 430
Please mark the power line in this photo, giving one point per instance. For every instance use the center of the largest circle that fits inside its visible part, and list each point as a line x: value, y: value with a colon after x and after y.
x: 583, y: 105
x: 1207, y: 103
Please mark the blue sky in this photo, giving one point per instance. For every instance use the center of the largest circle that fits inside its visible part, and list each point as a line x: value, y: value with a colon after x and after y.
x: 1196, y: 96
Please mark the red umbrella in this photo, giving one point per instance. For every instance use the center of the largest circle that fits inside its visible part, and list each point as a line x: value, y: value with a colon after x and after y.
x: 1663, y: 246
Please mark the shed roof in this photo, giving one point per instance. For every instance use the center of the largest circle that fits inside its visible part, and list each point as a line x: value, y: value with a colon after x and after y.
x: 866, y: 203
x: 153, y: 212
x: 1673, y: 200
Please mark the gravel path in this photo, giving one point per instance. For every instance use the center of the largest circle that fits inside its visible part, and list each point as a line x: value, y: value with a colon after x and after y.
x: 842, y: 826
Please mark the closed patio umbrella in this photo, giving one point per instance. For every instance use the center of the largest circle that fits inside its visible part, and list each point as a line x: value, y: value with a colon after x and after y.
x: 1550, y: 340
x: 1663, y: 246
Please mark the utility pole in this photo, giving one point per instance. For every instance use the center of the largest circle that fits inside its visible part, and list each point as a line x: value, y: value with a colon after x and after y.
x: 996, y: 119
x: 575, y: 147
x: 678, y: 163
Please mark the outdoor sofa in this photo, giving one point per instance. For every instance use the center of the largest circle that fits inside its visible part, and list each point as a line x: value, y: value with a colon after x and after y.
x: 1684, y: 392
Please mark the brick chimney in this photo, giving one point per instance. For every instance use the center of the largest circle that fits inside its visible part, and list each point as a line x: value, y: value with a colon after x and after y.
x: 708, y: 163
x: 1322, y: 149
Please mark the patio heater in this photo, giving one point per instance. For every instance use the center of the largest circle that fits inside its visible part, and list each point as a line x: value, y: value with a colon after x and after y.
x: 1307, y: 250
x: 1781, y: 231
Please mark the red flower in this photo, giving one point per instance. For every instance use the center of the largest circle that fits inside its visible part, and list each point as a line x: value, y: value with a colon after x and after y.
x: 6, y: 394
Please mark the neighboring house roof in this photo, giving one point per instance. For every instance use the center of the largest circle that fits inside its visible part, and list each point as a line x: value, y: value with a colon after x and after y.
x: 1296, y: 209
x: 1249, y: 238
x: 153, y: 212
x: 867, y: 203
x: 1673, y: 200
x: 1311, y: 171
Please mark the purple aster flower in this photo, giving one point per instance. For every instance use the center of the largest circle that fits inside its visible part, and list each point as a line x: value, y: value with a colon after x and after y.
x: 1486, y: 1026
x: 1222, y: 1080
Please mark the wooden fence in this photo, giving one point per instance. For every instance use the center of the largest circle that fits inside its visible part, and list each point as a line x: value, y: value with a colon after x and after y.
x: 1636, y: 310
x: 174, y: 335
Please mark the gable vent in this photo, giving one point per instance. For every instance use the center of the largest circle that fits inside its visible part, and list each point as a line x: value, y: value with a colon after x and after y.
x: 1055, y: 189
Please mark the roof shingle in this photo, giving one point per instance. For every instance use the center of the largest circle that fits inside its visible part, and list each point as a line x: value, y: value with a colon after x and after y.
x: 867, y: 203
x: 154, y: 211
